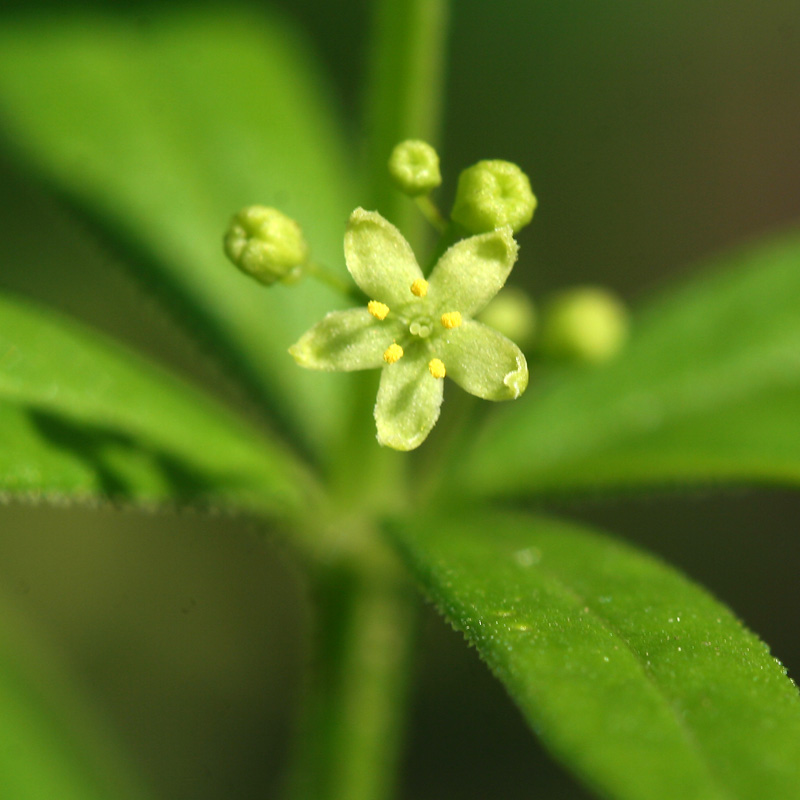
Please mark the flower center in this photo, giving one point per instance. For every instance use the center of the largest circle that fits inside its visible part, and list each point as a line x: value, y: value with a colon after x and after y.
x: 421, y: 326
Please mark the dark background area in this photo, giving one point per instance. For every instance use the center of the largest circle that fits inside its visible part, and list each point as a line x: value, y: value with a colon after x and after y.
x: 654, y: 134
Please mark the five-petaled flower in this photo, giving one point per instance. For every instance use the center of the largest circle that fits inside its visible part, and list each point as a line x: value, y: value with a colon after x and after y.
x: 419, y: 330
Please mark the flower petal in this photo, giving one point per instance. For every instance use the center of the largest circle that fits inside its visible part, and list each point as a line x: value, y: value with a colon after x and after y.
x: 345, y: 340
x: 409, y: 399
x: 483, y: 362
x: 379, y: 258
x: 473, y: 271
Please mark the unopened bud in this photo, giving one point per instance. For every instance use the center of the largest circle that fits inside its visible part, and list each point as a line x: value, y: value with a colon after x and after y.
x: 414, y: 167
x: 492, y: 194
x: 511, y: 313
x: 584, y: 324
x: 266, y: 244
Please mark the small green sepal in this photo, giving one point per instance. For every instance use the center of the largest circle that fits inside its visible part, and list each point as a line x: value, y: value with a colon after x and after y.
x: 266, y: 244
x: 492, y: 194
x: 414, y: 168
x: 586, y: 324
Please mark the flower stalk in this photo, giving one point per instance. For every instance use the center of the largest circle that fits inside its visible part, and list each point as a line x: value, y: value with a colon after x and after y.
x: 403, y: 98
x: 357, y: 693
x: 349, y: 737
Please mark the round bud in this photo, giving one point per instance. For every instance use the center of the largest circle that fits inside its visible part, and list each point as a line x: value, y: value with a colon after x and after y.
x: 584, y: 324
x: 492, y: 194
x: 414, y: 167
x: 266, y: 244
x: 511, y: 313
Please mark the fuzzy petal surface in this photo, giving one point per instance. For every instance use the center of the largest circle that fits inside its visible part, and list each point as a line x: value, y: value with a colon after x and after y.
x: 345, y: 341
x: 483, y: 362
x: 409, y: 400
x: 473, y: 271
x: 379, y: 258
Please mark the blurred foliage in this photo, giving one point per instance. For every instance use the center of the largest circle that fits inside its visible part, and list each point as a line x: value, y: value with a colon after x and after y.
x: 653, y: 134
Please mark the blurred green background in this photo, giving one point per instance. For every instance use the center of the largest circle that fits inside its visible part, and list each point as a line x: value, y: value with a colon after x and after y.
x: 654, y: 134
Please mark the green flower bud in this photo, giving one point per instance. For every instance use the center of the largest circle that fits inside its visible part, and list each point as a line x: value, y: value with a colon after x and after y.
x: 584, y: 324
x: 414, y: 167
x: 266, y: 244
x: 492, y: 194
x: 513, y: 314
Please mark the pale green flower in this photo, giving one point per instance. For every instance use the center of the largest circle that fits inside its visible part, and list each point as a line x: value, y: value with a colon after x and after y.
x: 419, y: 330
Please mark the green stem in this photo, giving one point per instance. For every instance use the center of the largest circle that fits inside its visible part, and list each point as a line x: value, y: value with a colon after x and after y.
x: 364, y: 606
x: 355, y: 702
x: 321, y: 273
x: 403, y: 100
x: 403, y: 96
x: 431, y: 212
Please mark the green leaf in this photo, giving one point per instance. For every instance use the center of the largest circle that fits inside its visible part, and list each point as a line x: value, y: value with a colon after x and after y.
x: 637, y: 679
x: 162, y: 124
x: 52, y: 744
x: 708, y: 390
x: 83, y: 417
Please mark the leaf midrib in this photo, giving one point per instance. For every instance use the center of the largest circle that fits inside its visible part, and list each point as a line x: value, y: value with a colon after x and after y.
x: 688, y: 735
x: 686, y: 731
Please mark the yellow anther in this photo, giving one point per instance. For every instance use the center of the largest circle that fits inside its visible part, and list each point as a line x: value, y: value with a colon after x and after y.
x: 419, y: 287
x: 393, y: 353
x: 452, y: 319
x: 436, y: 367
x: 378, y: 310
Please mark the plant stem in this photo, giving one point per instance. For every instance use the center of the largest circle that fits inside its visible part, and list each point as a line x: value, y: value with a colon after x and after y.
x: 431, y: 213
x: 354, y: 711
x: 403, y: 96
x: 321, y: 273
x: 364, y: 607
x: 403, y: 100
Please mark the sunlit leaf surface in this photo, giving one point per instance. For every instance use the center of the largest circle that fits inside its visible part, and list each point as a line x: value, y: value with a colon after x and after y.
x: 708, y: 390
x: 81, y: 417
x: 633, y: 676
x: 162, y: 124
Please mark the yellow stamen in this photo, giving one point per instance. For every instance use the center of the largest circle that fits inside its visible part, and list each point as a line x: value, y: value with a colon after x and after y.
x: 378, y: 310
x: 419, y: 287
x: 452, y: 319
x: 436, y: 368
x: 393, y: 353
